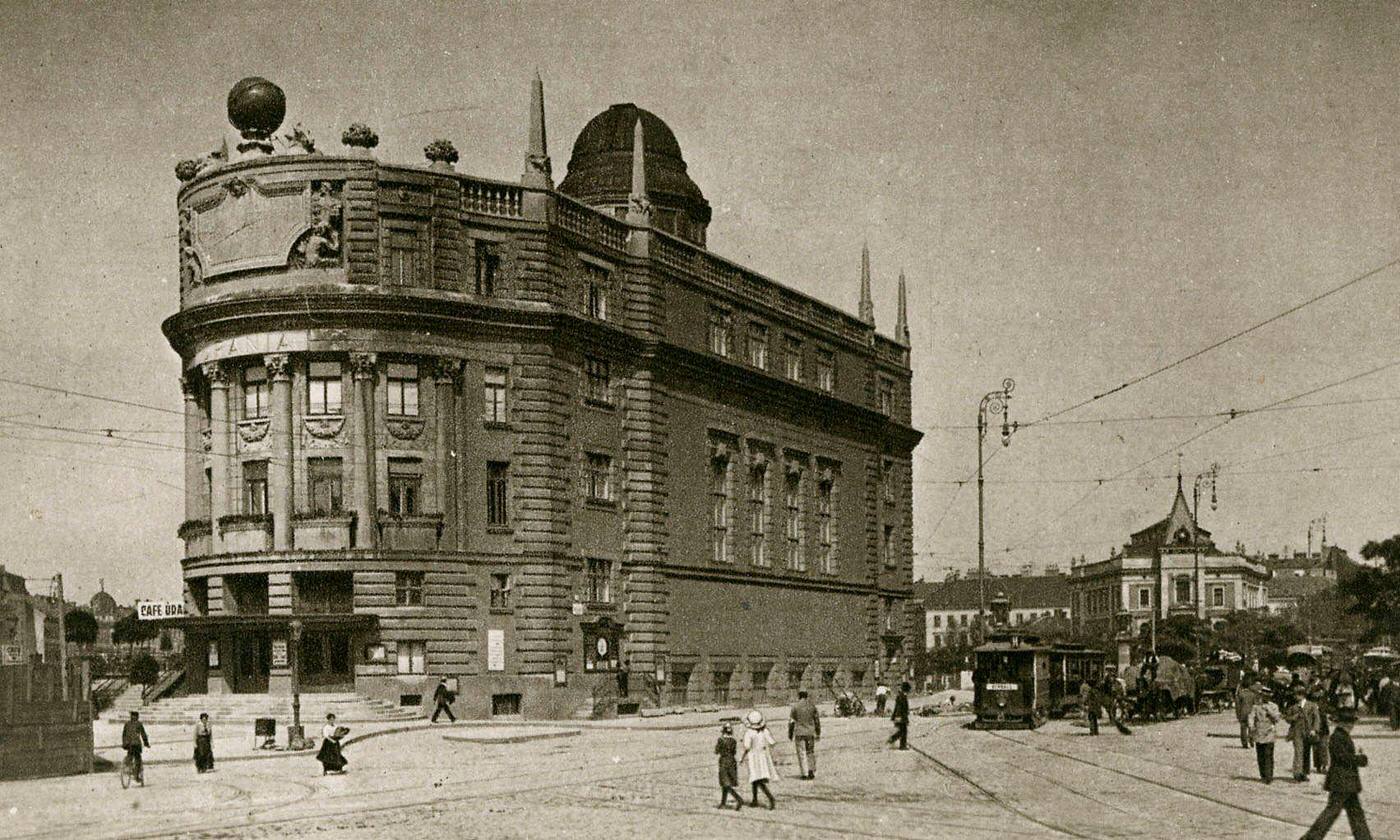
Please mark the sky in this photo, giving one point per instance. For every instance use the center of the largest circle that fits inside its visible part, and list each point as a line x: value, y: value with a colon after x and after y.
x: 1079, y: 194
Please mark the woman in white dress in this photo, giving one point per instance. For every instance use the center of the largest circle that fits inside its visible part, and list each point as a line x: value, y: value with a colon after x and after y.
x: 758, y: 753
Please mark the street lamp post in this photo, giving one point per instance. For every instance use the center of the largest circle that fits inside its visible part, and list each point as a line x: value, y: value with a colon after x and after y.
x: 1206, y: 479
x: 296, y: 736
x: 995, y: 402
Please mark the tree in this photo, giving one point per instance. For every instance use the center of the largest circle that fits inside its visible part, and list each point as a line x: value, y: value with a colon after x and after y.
x: 1375, y: 593
x: 145, y: 670
x: 79, y: 627
x: 1179, y: 636
x: 131, y: 630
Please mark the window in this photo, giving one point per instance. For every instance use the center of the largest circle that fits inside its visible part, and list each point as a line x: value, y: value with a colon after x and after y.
x: 403, y: 257
x: 255, y: 487
x: 413, y: 657
x: 826, y: 370
x: 500, y: 590
x: 887, y: 480
x: 598, y: 477
x: 488, y: 265
x: 792, y: 358
x: 758, y: 514
x: 826, y: 554
x: 796, y: 560
x: 408, y: 589
x: 886, y: 396
x: 495, y: 395
x: 937, y: 620
x: 889, y: 614
x: 599, y: 380
x: 256, y: 392
x: 403, y: 389
x: 323, y: 388
x: 1217, y: 596
x: 758, y: 346
x: 887, y: 549
x: 496, y: 476
x: 719, y: 332
x: 599, y: 581
x: 598, y: 283
x: 1144, y: 598
x: 721, y: 541
x: 1183, y: 590
x: 405, y: 486
x: 326, y: 487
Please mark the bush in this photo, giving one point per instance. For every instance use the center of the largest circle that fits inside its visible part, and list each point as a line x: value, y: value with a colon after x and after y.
x: 144, y: 669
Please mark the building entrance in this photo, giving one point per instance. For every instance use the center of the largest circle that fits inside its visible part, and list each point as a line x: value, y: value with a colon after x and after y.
x: 326, y: 663
x: 252, y: 662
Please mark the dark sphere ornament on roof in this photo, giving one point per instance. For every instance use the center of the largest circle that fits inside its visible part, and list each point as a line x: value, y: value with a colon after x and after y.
x: 256, y: 107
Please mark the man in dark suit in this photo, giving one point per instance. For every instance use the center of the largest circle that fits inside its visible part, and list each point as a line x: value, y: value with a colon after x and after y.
x: 443, y: 698
x: 1343, y: 783
x: 901, y: 717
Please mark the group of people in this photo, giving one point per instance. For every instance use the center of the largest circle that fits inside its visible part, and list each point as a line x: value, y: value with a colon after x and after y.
x: 1319, y: 718
x: 1108, y: 696
x: 135, y: 740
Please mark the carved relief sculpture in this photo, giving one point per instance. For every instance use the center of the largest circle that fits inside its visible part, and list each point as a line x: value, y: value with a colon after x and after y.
x: 404, y: 428
x: 301, y: 138
x: 320, y: 247
x: 191, y: 271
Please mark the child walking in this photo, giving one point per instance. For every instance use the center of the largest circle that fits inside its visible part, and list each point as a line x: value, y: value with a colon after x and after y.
x: 725, y: 748
x: 758, y: 745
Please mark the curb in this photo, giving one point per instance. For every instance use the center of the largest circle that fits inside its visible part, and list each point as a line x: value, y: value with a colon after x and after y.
x: 515, y: 739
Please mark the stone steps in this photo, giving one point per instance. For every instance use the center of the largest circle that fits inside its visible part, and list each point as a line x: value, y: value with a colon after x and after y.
x: 245, y: 708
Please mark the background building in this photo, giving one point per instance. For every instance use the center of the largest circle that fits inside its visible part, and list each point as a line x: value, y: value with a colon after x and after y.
x: 950, y: 607
x: 541, y: 442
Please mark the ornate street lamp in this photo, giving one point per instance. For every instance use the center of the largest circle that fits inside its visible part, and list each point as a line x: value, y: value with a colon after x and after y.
x: 995, y: 402
x: 296, y: 736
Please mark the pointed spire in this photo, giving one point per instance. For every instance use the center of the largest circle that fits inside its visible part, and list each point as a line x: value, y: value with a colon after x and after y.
x: 537, y: 166
x: 638, y: 205
x: 901, y: 324
x: 867, y: 306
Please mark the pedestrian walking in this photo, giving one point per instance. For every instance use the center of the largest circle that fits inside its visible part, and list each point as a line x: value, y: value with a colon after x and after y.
x: 804, y: 730
x: 758, y: 754
x: 1321, y: 758
x: 1343, y: 784
x: 330, y: 755
x: 1089, y: 702
x: 442, y: 698
x: 203, y: 744
x: 1112, y: 695
x: 1303, y: 724
x: 1245, y: 696
x: 881, y: 692
x: 901, y: 718
x: 726, y: 748
x: 1264, y: 720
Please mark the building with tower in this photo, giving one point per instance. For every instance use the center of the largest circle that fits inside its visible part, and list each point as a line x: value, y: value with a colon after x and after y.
x: 539, y: 441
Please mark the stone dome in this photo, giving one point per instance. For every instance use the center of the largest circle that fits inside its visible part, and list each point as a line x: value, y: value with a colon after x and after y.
x: 600, y: 171
x: 103, y: 604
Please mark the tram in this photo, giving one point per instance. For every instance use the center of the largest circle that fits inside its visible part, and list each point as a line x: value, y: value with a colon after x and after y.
x: 1018, y: 682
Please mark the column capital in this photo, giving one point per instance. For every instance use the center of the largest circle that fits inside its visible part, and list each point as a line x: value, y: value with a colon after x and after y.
x: 362, y: 365
x: 279, y: 366
x: 189, y: 386
x: 446, y: 370
x: 215, y: 373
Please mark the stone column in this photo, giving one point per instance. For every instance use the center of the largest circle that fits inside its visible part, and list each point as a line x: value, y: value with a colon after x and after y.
x: 279, y: 484
x: 361, y: 416
x: 445, y: 376
x: 195, y: 503
x: 220, y: 450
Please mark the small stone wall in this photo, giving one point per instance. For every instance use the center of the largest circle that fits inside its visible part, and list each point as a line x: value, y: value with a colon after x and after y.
x: 41, y: 732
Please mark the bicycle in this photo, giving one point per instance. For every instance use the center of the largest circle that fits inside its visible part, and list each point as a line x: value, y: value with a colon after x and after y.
x: 131, y: 770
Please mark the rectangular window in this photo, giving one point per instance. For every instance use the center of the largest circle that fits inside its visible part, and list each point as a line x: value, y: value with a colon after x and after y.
x: 937, y: 620
x: 887, y: 549
x: 758, y: 346
x: 758, y: 515
x: 488, y: 265
x: 408, y: 589
x: 403, y: 258
x: 599, y: 281
x: 325, y: 485
x: 598, y: 477
x: 413, y: 657
x: 405, y: 486
x: 1183, y: 590
x: 722, y: 539
x: 599, y: 380
x: 887, y: 480
x: 825, y: 539
x: 719, y: 332
x: 1144, y: 598
x: 500, y: 590
x: 886, y: 396
x: 796, y: 558
x: 826, y: 370
x: 323, y: 388
x: 792, y: 358
x: 403, y: 389
x: 495, y: 385
x: 1217, y: 596
x: 497, y: 473
x: 255, y: 487
x: 257, y: 393
x: 599, y: 581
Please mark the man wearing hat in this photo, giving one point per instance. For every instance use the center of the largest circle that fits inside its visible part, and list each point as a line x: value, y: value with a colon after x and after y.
x: 1264, y: 719
x: 1244, y: 704
x: 1303, y: 725
x: 1343, y: 784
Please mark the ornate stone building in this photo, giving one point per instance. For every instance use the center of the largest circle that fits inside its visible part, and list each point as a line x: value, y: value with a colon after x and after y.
x: 538, y: 441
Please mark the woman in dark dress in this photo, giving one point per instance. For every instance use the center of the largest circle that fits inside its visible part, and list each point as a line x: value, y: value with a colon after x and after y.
x: 331, y: 758
x: 203, y: 745
x: 726, y: 748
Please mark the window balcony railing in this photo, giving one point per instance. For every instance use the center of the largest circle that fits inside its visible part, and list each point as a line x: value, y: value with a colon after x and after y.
x: 246, y: 532
x: 409, y: 532
x: 324, y: 530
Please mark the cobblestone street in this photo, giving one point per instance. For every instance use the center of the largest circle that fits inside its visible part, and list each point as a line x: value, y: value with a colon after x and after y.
x: 1180, y: 779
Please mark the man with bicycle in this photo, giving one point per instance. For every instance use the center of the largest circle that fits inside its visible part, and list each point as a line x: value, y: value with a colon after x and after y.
x: 134, y: 738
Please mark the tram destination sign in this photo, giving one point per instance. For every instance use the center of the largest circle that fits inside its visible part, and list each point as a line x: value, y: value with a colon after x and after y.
x: 1002, y: 686
x: 150, y: 610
